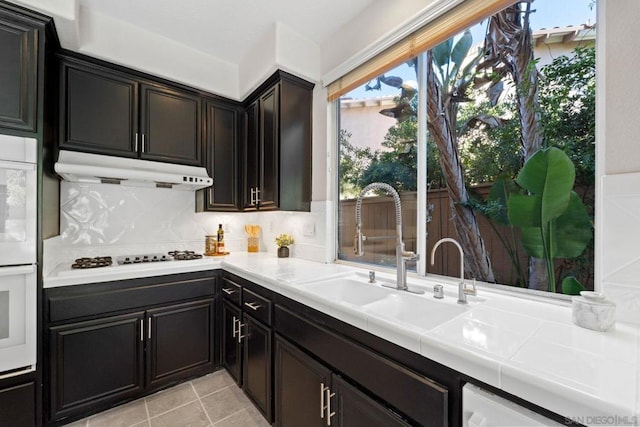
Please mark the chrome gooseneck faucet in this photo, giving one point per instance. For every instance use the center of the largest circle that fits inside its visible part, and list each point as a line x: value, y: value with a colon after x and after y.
x: 462, y: 294
x: 402, y: 256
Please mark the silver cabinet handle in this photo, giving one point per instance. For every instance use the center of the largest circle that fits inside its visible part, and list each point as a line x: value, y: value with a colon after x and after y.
x: 328, y: 398
x: 253, y: 305
x: 257, y: 195
x: 229, y: 291
x: 141, y: 329
x: 234, y: 327
x: 136, y: 146
x: 253, y: 192
x: 322, y: 400
x: 143, y: 142
x: 240, y: 336
x: 149, y: 328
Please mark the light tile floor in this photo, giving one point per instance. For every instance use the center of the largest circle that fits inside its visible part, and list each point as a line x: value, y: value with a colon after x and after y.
x: 210, y: 401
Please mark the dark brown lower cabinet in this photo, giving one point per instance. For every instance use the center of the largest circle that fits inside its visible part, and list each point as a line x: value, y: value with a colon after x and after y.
x: 299, y: 381
x: 96, y: 362
x: 231, y: 346
x: 177, y: 340
x: 17, y: 405
x: 101, y: 362
x: 256, y: 371
x: 246, y: 354
x: 310, y: 394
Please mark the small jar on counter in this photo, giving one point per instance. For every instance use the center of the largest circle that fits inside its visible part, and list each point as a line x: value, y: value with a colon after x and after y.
x: 211, y: 245
x: 592, y: 310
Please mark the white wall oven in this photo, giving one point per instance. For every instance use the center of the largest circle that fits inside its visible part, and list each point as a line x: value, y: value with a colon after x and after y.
x: 18, y: 273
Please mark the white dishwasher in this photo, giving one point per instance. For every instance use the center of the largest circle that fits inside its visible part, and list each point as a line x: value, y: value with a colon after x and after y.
x: 481, y: 408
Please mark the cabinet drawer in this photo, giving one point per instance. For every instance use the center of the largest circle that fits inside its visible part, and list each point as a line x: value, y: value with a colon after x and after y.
x: 231, y: 291
x: 257, y: 306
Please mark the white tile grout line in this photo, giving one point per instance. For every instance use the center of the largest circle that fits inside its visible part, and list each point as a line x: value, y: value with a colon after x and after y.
x: 149, y: 417
x: 186, y: 403
x: 229, y: 416
x: 200, y: 402
x: 146, y: 407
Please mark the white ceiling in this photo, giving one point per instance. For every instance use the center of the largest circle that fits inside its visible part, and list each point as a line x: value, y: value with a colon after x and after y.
x: 228, y: 29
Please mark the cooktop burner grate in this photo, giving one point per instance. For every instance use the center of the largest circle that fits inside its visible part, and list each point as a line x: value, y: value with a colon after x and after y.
x: 184, y: 255
x: 103, y: 261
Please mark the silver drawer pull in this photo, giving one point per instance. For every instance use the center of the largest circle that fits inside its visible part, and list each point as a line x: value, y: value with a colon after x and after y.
x: 229, y: 291
x: 252, y: 305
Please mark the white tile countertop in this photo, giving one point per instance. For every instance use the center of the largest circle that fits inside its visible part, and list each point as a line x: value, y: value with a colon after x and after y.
x: 528, y: 348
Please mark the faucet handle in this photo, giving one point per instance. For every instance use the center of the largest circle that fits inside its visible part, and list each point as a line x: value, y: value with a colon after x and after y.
x: 372, y: 276
x: 410, y: 256
x: 470, y: 290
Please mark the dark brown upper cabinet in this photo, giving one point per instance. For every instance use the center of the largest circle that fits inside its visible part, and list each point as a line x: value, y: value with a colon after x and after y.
x: 222, y: 125
x: 105, y: 110
x: 170, y: 125
x: 22, y: 53
x: 99, y: 110
x: 277, y: 150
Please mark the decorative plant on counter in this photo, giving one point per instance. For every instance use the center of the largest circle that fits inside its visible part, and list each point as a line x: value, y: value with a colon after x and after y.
x: 551, y: 216
x: 284, y: 241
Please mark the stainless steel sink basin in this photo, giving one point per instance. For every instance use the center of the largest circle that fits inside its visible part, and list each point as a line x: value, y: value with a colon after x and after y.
x: 419, y: 311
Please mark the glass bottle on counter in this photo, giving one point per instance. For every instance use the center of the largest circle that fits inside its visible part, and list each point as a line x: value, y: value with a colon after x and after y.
x: 220, y: 245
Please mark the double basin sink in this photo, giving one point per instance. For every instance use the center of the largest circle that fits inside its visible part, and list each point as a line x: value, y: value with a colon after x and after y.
x: 420, y: 311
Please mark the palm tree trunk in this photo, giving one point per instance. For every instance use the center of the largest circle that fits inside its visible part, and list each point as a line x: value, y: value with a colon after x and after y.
x: 440, y: 114
x: 509, y: 42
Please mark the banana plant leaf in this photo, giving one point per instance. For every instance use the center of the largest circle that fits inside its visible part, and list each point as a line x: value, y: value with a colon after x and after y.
x: 552, y: 218
x: 565, y: 237
x: 548, y: 177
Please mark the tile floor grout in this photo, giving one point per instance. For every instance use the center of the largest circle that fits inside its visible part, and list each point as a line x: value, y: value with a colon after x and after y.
x: 138, y: 413
x: 200, y: 402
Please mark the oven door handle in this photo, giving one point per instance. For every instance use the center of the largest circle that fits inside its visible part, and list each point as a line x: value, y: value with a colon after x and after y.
x: 21, y: 269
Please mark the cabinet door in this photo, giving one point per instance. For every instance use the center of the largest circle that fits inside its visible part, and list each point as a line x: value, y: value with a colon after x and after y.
x: 98, y: 110
x: 18, y: 73
x: 352, y: 408
x: 170, y: 126
x: 231, y: 355
x: 96, y: 362
x: 300, y: 382
x: 269, y: 149
x: 18, y: 405
x: 222, y: 158
x: 251, y: 157
x: 179, y: 340
x: 256, y: 371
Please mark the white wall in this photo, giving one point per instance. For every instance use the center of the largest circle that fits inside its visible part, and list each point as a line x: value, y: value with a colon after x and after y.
x: 618, y: 151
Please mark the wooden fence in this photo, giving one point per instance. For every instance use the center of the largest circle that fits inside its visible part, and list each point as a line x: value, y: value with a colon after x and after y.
x: 378, y: 220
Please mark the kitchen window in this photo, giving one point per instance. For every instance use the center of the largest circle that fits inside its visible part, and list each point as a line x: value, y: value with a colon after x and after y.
x: 457, y: 129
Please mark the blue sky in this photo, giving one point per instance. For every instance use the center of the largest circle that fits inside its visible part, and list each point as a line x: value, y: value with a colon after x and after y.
x: 548, y: 14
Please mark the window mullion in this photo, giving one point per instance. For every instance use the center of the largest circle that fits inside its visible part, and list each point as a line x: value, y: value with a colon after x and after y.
x: 421, y: 197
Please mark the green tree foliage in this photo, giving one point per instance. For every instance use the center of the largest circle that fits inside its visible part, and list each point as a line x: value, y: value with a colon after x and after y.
x: 568, y: 103
x: 353, y: 162
x: 490, y: 148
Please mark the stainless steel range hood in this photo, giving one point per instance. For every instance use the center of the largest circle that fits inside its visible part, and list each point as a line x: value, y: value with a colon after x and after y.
x: 95, y: 168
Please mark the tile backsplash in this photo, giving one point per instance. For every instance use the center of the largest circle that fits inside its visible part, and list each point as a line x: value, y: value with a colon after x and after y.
x: 105, y: 218
x: 620, y: 222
